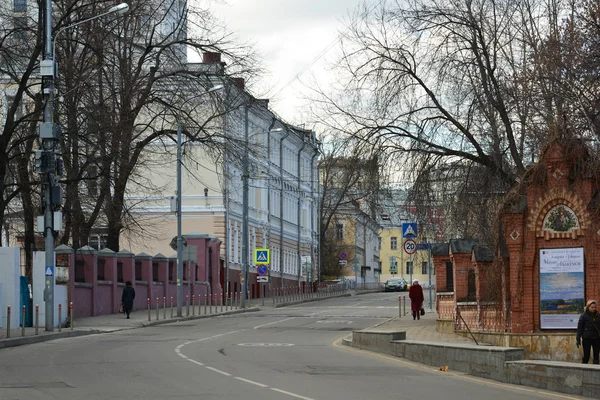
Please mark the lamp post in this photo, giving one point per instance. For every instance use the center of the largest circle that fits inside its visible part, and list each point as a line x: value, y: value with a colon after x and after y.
x: 178, y: 210
x: 46, y: 159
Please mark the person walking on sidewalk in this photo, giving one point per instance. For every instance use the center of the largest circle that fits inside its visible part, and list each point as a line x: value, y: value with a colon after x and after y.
x: 588, y: 329
x: 127, y: 298
x: 416, y: 299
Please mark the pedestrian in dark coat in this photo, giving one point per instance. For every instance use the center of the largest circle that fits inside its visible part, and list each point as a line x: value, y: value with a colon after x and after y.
x: 588, y: 329
x: 127, y: 298
x: 416, y: 299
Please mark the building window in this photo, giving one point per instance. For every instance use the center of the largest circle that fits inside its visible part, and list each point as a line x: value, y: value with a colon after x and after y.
x: 171, y: 270
x: 138, y: 270
x: 155, y: 272
x: 19, y: 5
x: 79, y: 271
x: 394, y: 243
x: 120, y: 272
x: 100, y: 274
x: 424, y: 267
x: 409, y: 266
x: 339, y: 231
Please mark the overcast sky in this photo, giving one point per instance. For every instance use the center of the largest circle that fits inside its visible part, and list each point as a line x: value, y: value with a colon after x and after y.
x: 289, y: 34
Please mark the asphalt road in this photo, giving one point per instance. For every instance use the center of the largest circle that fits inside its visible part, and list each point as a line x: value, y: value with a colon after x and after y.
x: 286, y: 353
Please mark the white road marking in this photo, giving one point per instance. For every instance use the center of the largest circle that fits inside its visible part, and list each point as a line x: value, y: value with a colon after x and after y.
x: 272, y: 323
x: 217, y: 370
x: 251, y: 382
x: 262, y: 385
x: 291, y: 394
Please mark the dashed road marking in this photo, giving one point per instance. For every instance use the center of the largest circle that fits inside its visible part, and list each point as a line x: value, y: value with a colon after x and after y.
x: 248, y: 381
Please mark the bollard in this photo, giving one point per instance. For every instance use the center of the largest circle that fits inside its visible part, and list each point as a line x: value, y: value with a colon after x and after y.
x: 149, y: 318
x: 37, y: 319
x: 193, y: 304
x: 59, y: 317
x: 404, y: 306
x: 23, y: 312
x: 164, y: 308
x: 71, y: 315
x: 205, y: 303
x: 399, y: 307
x: 187, y: 304
x: 157, y: 317
x: 221, y: 300
x: 8, y: 323
x: 210, y: 302
x: 171, y: 307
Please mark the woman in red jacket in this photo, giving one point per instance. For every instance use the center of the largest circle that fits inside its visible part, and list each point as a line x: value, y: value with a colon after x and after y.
x: 416, y: 299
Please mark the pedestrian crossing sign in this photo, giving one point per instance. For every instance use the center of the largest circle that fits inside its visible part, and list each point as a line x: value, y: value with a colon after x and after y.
x: 409, y: 230
x: 262, y: 256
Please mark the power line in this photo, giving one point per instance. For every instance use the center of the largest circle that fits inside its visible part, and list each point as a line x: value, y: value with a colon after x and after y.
x: 325, y: 50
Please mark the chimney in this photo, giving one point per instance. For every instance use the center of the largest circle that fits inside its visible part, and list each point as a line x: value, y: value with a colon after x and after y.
x: 263, y: 102
x: 239, y: 82
x: 211, y: 57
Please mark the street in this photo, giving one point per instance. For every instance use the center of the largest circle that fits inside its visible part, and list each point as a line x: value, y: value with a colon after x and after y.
x: 286, y: 353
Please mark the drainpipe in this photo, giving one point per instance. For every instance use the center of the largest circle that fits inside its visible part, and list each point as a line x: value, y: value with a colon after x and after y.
x: 287, y: 133
x: 299, y: 221
x: 269, y: 194
x: 319, y: 214
x: 312, y: 214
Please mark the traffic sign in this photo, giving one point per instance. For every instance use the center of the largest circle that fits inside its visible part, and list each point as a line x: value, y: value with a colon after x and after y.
x: 262, y: 279
x: 422, y: 246
x: 262, y: 270
x: 409, y: 230
x: 50, y: 270
x: 393, y: 268
x: 343, y: 255
x: 410, y: 246
x: 262, y: 256
x: 343, y: 262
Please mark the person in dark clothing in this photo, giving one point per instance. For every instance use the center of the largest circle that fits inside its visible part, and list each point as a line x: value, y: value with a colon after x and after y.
x: 416, y: 299
x: 127, y: 298
x: 588, y: 329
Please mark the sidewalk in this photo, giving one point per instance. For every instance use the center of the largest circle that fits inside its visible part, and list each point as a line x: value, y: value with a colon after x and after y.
x: 423, y: 329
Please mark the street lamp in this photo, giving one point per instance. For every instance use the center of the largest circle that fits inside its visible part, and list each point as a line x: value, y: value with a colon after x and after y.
x: 179, y: 237
x: 46, y: 159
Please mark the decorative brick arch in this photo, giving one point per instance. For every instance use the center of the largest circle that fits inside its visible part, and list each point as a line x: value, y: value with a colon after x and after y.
x: 553, y: 198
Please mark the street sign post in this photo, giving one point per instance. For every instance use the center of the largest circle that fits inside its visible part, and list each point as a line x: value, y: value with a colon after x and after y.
x: 262, y: 279
x: 262, y: 270
x: 410, y: 246
x: 343, y: 255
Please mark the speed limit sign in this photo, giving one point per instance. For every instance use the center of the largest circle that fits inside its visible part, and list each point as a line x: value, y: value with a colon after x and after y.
x: 410, y: 246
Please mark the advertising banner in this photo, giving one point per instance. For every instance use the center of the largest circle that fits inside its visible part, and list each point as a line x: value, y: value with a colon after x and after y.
x: 562, y: 294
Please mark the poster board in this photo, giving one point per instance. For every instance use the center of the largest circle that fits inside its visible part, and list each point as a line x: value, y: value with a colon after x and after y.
x: 562, y: 287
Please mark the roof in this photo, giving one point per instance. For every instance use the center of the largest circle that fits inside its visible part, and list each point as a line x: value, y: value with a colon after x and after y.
x: 462, y: 246
x: 483, y: 253
x: 440, y: 249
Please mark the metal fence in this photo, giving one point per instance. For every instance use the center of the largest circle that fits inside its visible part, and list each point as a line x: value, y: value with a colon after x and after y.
x: 482, y: 317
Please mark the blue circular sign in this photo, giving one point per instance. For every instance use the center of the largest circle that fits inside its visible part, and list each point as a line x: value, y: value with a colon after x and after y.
x: 262, y: 270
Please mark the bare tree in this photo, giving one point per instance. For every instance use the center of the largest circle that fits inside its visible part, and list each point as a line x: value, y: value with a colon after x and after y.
x: 463, y: 93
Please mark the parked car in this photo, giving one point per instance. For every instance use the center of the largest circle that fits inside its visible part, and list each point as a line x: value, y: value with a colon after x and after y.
x: 395, y: 285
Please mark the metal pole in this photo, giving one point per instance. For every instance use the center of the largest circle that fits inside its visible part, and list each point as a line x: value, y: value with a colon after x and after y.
x: 245, y: 227
x: 205, y: 303
x: 48, y: 181
x: 187, y: 304
x: 399, y: 306
x: 193, y: 304
x: 429, y: 267
x: 164, y: 308
x: 171, y: 307
x: 59, y: 317
x: 8, y: 322
x: 157, y: 309
x: 23, y: 313
x: 221, y: 300
x: 37, y: 319
x: 179, y: 238
x: 71, y: 315
x: 149, y: 318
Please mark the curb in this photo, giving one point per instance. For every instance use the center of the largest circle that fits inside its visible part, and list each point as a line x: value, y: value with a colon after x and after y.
x: 293, y: 303
x: 195, y: 317
x: 368, y: 292
x: 22, y: 341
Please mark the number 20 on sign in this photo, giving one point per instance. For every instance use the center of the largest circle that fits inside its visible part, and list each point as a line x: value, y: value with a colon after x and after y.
x: 410, y: 246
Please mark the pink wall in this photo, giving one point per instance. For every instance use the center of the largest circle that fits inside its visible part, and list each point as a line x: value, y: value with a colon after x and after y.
x: 82, y: 301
